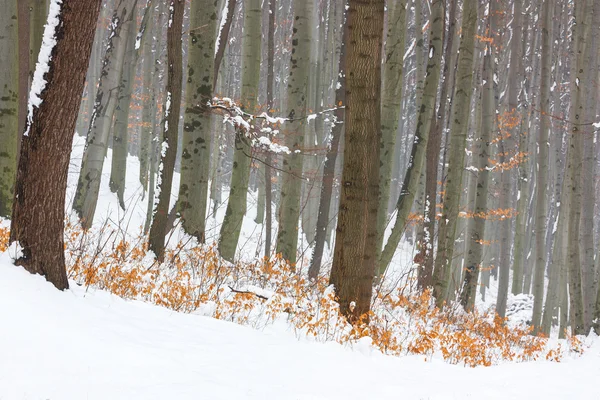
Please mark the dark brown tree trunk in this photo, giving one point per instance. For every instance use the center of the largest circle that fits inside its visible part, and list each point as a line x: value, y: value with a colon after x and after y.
x: 354, y: 259
x: 39, y: 205
x: 171, y: 127
x: 329, y: 166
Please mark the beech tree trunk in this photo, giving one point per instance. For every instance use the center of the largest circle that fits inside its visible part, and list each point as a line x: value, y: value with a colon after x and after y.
x: 9, y: 104
x: 171, y: 127
x: 39, y: 206
x: 424, y: 120
x: 296, y: 107
x: 88, y: 186
x: 461, y: 108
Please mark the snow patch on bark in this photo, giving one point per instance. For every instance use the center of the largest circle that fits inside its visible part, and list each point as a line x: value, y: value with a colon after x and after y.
x: 43, y: 64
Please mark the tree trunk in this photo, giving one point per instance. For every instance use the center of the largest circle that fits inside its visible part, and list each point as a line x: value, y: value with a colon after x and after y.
x: 195, y: 159
x: 580, y: 42
x: 39, y: 206
x: 432, y: 157
x: 391, y: 106
x: 148, y: 106
x: 475, y: 239
x: 9, y: 104
x: 88, y: 186
x: 118, y: 168
x: 242, y: 156
x: 542, y: 170
x: 354, y: 259
x: 424, y: 120
x: 325, y: 200
x: 270, y: 105
x: 461, y: 108
x: 296, y: 107
x: 171, y: 128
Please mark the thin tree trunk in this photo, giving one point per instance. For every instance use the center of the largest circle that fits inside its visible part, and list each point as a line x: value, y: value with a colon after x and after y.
x: 270, y: 105
x: 424, y: 120
x: 432, y: 159
x: 223, y: 37
x: 171, y: 128
x: 461, y: 108
x: 475, y: 239
x: 242, y: 156
x: 323, y: 219
x: 39, y: 206
x: 88, y: 186
x: 118, y: 168
x: 542, y: 171
x: 296, y: 107
x: 391, y: 106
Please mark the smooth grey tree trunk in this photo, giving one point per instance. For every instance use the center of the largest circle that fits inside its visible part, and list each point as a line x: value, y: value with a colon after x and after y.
x: 9, y: 104
x: 88, y: 186
x: 242, y: 156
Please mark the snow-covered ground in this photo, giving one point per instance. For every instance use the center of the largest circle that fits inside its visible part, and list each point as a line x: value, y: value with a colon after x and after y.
x: 82, y: 344
x: 88, y: 344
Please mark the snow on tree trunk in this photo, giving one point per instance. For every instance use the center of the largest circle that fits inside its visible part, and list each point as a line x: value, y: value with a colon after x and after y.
x: 242, y: 155
x: 38, y: 214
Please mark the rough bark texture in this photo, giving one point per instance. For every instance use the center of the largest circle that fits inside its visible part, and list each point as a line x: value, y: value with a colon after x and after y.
x: 242, y: 156
x: 354, y: 259
x: 296, y: 107
x: 195, y: 159
x: 424, y: 119
x: 9, y: 104
x: 461, y: 108
x: 171, y: 125
x: 39, y: 206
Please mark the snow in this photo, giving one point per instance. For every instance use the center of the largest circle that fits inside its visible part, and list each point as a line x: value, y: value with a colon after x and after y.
x: 98, y: 346
x: 88, y: 344
x: 223, y: 20
x: 38, y: 83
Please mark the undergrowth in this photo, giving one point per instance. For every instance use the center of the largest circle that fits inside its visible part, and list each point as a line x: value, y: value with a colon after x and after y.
x: 194, y: 279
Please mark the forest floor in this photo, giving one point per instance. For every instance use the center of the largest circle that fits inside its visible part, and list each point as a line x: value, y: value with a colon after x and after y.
x: 86, y: 343
x: 89, y: 344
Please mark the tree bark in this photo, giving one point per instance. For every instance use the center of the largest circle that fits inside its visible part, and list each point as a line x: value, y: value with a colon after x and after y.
x: 542, y: 168
x: 461, y: 108
x: 169, y: 143
x: 242, y: 156
x: 88, y: 186
x: 9, y: 104
x: 424, y: 121
x: 323, y: 219
x: 354, y: 259
x: 296, y: 107
x: 39, y: 206
x: 197, y: 135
